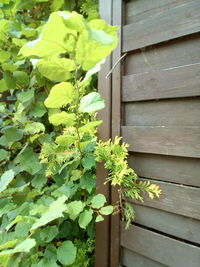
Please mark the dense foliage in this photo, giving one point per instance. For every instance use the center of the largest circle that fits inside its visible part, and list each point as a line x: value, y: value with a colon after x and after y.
x: 48, y: 204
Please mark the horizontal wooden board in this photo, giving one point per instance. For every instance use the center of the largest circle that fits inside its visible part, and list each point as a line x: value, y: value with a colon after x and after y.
x: 169, y: 223
x: 179, y: 199
x: 163, y: 26
x: 175, y: 141
x: 137, y: 10
x: 132, y: 259
x: 160, y: 248
x: 171, y: 112
x: 166, y: 168
x: 166, y: 83
x: 175, y: 53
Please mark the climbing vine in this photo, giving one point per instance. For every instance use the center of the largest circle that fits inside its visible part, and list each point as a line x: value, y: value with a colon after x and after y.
x: 48, y: 143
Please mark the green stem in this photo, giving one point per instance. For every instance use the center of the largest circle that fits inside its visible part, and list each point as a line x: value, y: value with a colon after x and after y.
x: 77, y: 116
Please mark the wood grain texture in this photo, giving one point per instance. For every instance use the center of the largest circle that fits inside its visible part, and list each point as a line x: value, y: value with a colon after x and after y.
x: 175, y: 53
x: 175, y: 141
x: 160, y: 248
x: 172, y: 112
x: 131, y: 259
x: 169, y: 223
x: 179, y: 199
x: 116, y: 128
x: 102, y: 246
x: 166, y: 168
x: 163, y: 26
x: 167, y: 83
x: 136, y: 10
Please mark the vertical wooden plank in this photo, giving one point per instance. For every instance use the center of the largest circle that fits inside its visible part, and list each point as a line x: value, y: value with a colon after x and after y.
x: 116, y: 123
x: 102, y: 255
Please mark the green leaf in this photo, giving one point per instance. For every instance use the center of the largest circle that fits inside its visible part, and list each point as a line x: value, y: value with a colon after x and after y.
x: 95, y: 43
x: 66, y: 140
x: 34, y: 127
x: 56, y: 69
x: 88, y: 182
x: 89, y: 162
x: 66, y: 253
x: 4, y: 55
x: 60, y: 95
x: 74, y: 208
x: 29, y: 161
x: 38, y: 109
x: 52, y: 40
x: 6, y: 178
x: 3, y: 85
x: 89, y: 126
x: 26, y: 95
x: 25, y: 246
x: 73, y: 20
x: 39, y: 181
x: 54, y: 211
x: 9, y: 244
x: 12, y: 134
x: 64, y: 118
x: 21, y: 77
x: 99, y: 218
x: 91, y: 102
x: 85, y: 218
x: 98, y: 201
x: 49, y: 233
x: 106, y: 210
x: 4, y: 155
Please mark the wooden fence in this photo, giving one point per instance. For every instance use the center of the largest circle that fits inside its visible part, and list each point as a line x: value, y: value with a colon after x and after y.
x: 153, y: 101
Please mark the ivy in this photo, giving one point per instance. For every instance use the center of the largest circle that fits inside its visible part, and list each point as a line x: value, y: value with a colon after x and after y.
x: 48, y: 143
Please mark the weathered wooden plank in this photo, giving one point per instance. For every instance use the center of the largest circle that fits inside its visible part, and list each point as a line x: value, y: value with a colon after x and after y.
x: 164, y: 26
x: 175, y: 53
x: 166, y: 168
x: 166, y: 83
x: 179, y: 199
x: 175, y: 141
x: 160, y: 248
x: 169, y: 223
x: 170, y: 112
x: 132, y: 259
x: 115, y: 131
x: 137, y: 10
x: 102, y: 246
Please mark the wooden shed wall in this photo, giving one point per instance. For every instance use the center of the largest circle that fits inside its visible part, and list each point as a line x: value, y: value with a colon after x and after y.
x: 161, y: 122
x: 153, y: 100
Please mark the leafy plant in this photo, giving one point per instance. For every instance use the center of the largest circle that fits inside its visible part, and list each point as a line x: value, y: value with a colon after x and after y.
x: 49, y: 148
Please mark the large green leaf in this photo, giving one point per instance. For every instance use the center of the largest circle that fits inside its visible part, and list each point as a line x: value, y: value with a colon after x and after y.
x: 51, y: 41
x: 65, y: 140
x: 66, y: 253
x: 56, y: 69
x: 63, y: 118
x: 29, y: 161
x: 98, y: 201
x: 34, y: 127
x: 6, y: 178
x: 85, y: 218
x: 95, y: 43
x: 60, y: 95
x: 54, y: 211
x: 73, y: 20
x: 91, y: 102
x: 25, y: 246
x: 12, y: 134
x: 4, y: 155
x: 74, y: 208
